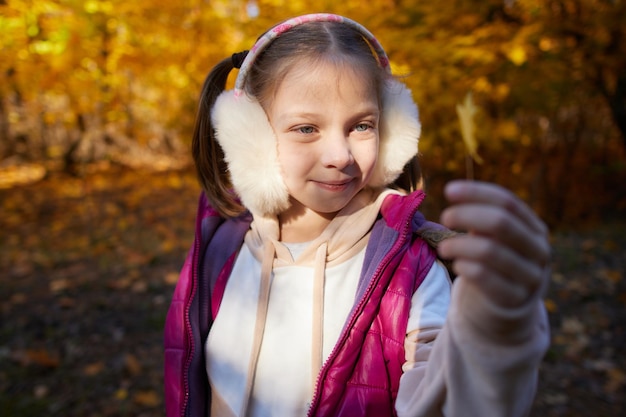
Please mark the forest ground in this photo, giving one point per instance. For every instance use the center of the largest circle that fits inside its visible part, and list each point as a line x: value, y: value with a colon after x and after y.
x: 88, y: 264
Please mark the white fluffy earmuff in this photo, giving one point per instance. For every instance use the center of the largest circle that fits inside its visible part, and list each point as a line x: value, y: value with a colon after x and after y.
x: 399, y: 133
x: 250, y: 150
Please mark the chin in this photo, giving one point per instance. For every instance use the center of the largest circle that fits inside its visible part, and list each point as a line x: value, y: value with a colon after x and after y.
x: 330, y: 208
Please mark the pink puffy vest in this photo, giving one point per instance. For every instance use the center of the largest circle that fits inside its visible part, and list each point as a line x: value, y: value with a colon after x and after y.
x: 362, y: 375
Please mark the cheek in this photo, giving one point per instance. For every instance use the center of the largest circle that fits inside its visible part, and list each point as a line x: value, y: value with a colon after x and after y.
x: 293, y: 160
x: 366, y: 158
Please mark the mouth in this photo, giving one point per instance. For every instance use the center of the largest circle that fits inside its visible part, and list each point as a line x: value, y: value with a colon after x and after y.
x: 335, y: 185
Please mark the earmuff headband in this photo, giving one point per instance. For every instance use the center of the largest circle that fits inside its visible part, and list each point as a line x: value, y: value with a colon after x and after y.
x: 287, y: 25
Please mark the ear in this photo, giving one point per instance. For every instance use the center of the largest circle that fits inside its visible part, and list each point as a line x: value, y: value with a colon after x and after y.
x: 399, y: 132
x: 249, y: 144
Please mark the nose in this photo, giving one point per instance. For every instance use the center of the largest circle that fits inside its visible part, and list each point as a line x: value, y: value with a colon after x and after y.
x: 336, y: 151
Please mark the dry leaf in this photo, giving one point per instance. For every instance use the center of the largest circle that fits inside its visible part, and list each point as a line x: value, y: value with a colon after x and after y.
x: 93, y: 369
x: 147, y: 398
x: 139, y: 287
x: 40, y: 391
x: 121, y: 394
x: 550, y: 305
x: 616, y: 380
x: 171, y: 278
x: 67, y: 302
x: 466, y: 112
x: 132, y: 364
x: 59, y: 285
x: 40, y: 357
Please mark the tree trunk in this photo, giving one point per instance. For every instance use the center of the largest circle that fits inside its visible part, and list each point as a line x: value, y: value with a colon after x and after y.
x: 617, y: 103
x: 4, y: 129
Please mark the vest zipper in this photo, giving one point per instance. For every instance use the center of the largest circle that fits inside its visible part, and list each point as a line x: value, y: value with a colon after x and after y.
x: 376, y: 276
x: 184, y: 411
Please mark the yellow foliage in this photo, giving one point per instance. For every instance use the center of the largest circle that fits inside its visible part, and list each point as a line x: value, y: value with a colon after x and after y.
x: 91, y: 6
x: 547, y: 44
x: 21, y: 175
x: 482, y: 85
x: 517, y: 55
x: 502, y: 91
x: 507, y: 129
x: 526, y: 140
x: 140, y: 65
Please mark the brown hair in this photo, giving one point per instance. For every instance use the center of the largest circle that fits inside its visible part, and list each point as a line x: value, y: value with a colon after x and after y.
x: 328, y: 42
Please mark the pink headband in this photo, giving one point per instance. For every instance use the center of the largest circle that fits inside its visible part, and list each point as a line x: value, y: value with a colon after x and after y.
x: 283, y: 27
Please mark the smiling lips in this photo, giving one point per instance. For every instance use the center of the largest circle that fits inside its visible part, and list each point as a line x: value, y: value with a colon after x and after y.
x: 335, y: 185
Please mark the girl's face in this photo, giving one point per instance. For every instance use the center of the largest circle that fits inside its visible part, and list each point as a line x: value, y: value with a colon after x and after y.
x: 325, y: 118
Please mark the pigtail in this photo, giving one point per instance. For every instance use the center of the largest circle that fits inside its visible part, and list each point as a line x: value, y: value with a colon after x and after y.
x: 411, y: 177
x: 411, y: 180
x: 208, y: 155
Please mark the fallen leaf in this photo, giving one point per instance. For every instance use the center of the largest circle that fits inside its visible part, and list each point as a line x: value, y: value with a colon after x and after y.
x: 550, y: 305
x: 18, y: 298
x: 67, y: 302
x: 121, y: 394
x: 40, y: 357
x: 120, y: 283
x: 588, y: 244
x: 147, y: 398
x: 93, y: 369
x: 616, y: 380
x: 572, y: 325
x: 40, y: 391
x: 556, y: 399
x: 611, y: 275
x: 59, y: 285
x: 171, y: 278
x: 139, y: 287
x: 132, y: 364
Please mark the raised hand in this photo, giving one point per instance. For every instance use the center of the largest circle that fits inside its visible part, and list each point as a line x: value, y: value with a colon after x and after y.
x: 505, y: 251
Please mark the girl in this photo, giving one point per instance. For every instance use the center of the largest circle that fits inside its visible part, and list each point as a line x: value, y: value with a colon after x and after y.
x: 313, y: 286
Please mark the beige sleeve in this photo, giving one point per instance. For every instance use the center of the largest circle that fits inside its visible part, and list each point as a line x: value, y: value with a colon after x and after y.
x: 483, y: 362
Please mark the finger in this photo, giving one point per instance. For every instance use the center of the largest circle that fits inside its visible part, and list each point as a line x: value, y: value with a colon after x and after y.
x: 499, y: 224
x: 496, y: 258
x: 500, y: 291
x: 462, y: 191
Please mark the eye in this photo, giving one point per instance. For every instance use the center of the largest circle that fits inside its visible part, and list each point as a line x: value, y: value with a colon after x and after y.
x: 305, y: 129
x: 363, y: 127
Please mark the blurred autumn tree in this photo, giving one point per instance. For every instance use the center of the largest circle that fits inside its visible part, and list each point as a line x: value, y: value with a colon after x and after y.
x: 83, y: 81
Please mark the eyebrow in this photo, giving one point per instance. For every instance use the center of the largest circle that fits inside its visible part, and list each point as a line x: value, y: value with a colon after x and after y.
x: 371, y: 111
